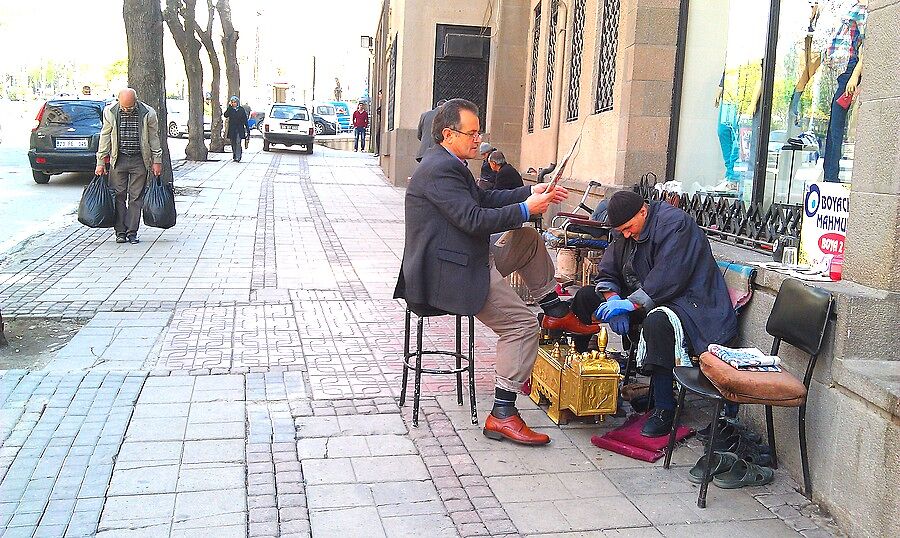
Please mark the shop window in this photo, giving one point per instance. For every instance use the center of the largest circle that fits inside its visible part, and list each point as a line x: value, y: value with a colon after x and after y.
x: 720, y: 115
x: 812, y: 133
x: 392, y: 84
x: 609, y: 42
x: 532, y: 81
x: 575, y: 69
x: 551, y: 62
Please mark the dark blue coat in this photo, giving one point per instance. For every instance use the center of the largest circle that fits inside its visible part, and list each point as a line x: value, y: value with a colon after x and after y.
x: 449, y: 222
x: 672, y: 265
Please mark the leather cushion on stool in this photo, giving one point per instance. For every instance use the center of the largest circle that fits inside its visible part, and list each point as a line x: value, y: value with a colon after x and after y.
x: 780, y: 389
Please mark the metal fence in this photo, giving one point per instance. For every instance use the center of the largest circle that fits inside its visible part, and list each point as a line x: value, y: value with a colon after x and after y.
x: 730, y: 219
x: 392, y: 84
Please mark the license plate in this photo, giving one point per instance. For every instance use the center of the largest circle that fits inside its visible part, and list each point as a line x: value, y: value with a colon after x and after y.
x: 288, y: 127
x: 72, y: 143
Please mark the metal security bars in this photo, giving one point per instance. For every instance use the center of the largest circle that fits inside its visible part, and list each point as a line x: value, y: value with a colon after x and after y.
x: 575, y: 70
x: 551, y: 63
x: 609, y: 41
x: 532, y: 90
x: 392, y: 84
x: 730, y: 220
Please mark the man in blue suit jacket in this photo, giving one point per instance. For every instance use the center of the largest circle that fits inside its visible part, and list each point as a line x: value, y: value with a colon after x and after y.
x: 455, y: 258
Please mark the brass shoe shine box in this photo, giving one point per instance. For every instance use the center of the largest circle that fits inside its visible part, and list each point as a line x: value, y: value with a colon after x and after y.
x: 576, y: 384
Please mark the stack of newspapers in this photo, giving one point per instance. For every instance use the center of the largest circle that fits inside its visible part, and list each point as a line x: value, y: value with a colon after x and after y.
x: 748, y: 359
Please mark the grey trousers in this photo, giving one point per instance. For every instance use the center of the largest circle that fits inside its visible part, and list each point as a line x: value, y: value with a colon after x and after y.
x: 128, y: 179
x: 505, y: 313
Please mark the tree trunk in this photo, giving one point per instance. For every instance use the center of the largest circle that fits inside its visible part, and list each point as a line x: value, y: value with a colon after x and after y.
x: 229, y: 49
x: 216, y: 141
x: 146, y: 68
x: 180, y: 16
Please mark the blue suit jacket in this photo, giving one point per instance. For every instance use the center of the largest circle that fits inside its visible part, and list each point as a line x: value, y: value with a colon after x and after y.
x: 449, y: 222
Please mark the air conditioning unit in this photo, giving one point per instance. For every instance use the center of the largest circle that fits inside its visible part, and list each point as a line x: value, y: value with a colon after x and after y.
x: 465, y: 46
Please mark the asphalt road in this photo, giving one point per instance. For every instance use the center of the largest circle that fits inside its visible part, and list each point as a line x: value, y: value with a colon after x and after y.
x: 26, y: 208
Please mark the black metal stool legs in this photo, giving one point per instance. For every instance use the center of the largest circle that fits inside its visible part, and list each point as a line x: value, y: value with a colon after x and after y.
x: 472, y: 370
x: 672, y: 434
x: 417, y: 389
x: 459, y: 360
x: 405, y: 359
x: 419, y: 369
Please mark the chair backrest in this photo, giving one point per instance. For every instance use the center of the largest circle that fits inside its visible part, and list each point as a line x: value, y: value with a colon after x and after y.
x: 800, y: 315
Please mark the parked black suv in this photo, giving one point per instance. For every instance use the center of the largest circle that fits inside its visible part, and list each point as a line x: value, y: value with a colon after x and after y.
x: 65, y: 137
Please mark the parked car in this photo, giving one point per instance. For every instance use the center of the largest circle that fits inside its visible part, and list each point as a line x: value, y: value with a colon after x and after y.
x: 324, y: 126
x: 288, y: 125
x: 345, y: 120
x: 256, y: 120
x: 328, y: 114
x: 177, y: 117
x: 65, y: 137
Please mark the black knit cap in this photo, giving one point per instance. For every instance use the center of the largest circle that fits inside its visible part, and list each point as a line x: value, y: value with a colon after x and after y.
x: 623, y: 206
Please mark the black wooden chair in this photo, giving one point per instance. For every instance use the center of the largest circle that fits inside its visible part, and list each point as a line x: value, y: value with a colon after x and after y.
x: 799, y: 317
x: 422, y: 312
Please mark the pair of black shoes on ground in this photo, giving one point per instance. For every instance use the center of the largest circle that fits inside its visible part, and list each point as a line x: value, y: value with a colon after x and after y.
x: 122, y: 238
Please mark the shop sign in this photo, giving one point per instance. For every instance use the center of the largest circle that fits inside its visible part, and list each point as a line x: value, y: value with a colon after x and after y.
x: 826, y: 208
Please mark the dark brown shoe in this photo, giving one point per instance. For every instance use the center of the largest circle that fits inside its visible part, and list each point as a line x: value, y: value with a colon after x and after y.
x: 570, y: 324
x: 514, y: 429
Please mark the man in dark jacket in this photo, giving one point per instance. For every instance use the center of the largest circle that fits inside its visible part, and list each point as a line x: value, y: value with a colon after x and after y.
x: 487, y: 177
x: 659, y: 258
x: 238, y: 126
x: 424, y: 130
x: 455, y: 258
x: 507, y: 176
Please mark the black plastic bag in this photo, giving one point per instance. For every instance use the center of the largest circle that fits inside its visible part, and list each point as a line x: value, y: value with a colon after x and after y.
x: 98, y: 204
x: 159, y: 203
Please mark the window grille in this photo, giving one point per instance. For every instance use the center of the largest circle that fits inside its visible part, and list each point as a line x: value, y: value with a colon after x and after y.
x: 609, y: 40
x: 532, y: 90
x: 392, y: 85
x: 551, y: 63
x: 575, y: 70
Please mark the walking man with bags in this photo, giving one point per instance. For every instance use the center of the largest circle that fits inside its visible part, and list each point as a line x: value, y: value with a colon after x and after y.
x: 238, y: 126
x: 130, y: 138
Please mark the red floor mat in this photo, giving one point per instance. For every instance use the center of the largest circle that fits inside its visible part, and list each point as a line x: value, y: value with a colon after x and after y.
x: 628, y: 441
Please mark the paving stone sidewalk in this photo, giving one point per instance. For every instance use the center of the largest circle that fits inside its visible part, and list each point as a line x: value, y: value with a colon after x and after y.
x: 239, y: 374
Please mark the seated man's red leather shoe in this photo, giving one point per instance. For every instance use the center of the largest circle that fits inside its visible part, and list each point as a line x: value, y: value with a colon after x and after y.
x: 569, y: 323
x: 514, y: 429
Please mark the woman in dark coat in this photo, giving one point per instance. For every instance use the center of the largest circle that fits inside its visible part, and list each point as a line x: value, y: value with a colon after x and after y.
x: 238, y: 127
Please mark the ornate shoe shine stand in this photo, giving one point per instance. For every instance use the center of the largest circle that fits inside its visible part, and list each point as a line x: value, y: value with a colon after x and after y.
x: 576, y: 384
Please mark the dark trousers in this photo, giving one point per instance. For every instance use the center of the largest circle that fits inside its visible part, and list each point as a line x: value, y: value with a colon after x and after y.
x: 359, y: 139
x: 128, y: 179
x: 237, y: 150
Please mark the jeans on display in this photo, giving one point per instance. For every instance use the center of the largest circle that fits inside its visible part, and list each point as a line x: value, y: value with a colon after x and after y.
x: 836, y: 125
x: 729, y: 138
x: 359, y: 139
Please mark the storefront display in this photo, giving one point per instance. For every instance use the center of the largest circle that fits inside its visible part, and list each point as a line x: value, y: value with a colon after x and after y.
x: 808, y: 69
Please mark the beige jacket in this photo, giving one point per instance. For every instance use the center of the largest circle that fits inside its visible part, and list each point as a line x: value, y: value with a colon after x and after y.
x: 151, y: 149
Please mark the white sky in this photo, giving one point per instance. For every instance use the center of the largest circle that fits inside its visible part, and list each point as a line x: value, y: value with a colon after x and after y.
x: 92, y: 33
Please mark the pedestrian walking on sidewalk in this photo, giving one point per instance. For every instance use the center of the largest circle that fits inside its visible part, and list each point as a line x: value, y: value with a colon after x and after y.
x: 130, y: 139
x: 238, y: 126
x: 360, y: 124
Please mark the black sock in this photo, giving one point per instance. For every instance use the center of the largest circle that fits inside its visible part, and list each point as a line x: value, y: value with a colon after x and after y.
x: 662, y: 388
x: 504, y: 403
x: 553, y: 306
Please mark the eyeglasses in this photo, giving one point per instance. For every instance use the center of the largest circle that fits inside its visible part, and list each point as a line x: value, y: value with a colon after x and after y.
x: 476, y: 135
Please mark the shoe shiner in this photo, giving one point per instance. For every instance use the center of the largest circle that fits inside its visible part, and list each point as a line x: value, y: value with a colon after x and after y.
x: 658, y: 271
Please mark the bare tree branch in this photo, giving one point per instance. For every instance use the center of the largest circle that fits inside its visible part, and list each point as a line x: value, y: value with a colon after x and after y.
x: 181, y: 18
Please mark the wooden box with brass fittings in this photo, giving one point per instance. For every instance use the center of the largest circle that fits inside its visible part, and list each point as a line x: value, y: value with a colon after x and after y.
x: 576, y: 384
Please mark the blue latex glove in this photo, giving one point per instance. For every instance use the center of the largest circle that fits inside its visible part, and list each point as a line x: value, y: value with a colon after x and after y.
x: 620, y: 324
x: 597, y: 315
x: 613, y: 308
